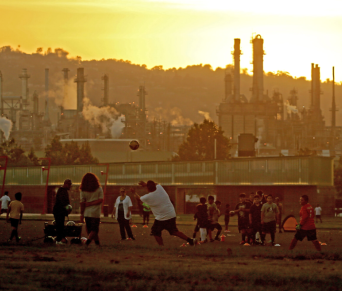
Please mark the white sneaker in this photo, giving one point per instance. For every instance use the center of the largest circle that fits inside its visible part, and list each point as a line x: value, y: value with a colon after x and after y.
x: 60, y: 243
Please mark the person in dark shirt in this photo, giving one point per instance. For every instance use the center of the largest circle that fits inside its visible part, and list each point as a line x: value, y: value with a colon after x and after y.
x: 196, y: 230
x: 59, y: 211
x: 202, y: 219
x: 263, y: 198
x: 255, y: 217
x: 242, y: 209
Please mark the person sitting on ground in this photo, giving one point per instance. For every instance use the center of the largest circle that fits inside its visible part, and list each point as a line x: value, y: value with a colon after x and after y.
x: 306, y: 227
x: 227, y: 217
x: 243, y: 208
x: 14, y: 215
x: 255, y: 218
x: 91, y: 198
x: 5, y: 201
x: 269, y: 217
x: 163, y: 211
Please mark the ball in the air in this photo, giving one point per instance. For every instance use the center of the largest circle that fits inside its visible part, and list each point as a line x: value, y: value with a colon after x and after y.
x: 134, y: 145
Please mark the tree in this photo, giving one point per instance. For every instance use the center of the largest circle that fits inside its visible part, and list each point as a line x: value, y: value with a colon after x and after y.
x: 86, y: 156
x: 33, y: 158
x: 14, y: 152
x: 200, y: 143
x: 55, y: 152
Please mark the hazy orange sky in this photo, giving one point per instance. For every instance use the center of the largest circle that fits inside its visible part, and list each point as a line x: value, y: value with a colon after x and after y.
x: 177, y: 33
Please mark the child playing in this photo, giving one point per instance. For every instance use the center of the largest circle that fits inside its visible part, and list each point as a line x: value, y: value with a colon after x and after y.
x: 242, y: 209
x: 255, y: 217
x: 202, y: 218
x: 15, y: 211
x: 214, y: 221
x: 269, y: 216
x: 306, y: 226
x: 212, y: 208
x: 227, y: 217
x: 146, y: 213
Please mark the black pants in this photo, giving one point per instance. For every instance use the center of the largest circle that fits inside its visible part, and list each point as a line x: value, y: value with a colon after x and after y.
x: 146, y: 216
x: 59, y: 219
x: 124, y: 225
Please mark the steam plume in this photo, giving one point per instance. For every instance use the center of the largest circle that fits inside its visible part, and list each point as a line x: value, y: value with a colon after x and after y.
x: 117, y: 127
x: 205, y: 114
x: 172, y: 115
x: 6, y: 126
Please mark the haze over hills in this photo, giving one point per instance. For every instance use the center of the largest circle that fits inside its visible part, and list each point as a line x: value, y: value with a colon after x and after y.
x: 175, y: 95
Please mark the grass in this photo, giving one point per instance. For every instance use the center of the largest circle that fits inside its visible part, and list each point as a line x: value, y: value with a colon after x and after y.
x: 142, y: 265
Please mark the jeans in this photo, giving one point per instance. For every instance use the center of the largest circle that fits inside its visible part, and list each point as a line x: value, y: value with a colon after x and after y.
x: 124, y: 225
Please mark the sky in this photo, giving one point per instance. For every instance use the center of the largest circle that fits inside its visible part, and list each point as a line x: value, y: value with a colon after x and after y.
x: 178, y: 33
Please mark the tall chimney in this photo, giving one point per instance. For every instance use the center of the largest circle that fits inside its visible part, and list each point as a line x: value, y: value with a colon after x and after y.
x: 333, y: 116
x: 237, y: 53
x: 24, y: 86
x: 105, y: 90
x: 65, y: 89
x: 228, y: 86
x: 46, y: 115
x: 80, y: 80
x: 35, y: 103
x: 258, y: 69
x: 315, y: 87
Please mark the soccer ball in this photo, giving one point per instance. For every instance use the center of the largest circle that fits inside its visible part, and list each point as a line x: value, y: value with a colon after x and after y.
x: 83, y: 240
x: 134, y: 145
x: 70, y: 223
x: 68, y: 208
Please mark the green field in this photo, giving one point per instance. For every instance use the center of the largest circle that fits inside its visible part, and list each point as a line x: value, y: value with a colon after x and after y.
x: 143, y: 265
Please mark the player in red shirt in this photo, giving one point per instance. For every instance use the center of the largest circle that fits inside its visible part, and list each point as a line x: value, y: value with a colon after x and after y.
x: 306, y: 226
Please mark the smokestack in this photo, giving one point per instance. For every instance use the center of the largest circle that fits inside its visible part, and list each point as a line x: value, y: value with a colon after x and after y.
x: 237, y: 53
x: 80, y: 80
x: 46, y: 115
x: 141, y: 95
x: 333, y: 116
x: 228, y: 86
x: 24, y: 86
x: 35, y: 103
x: 315, y: 87
x: 65, y: 89
x: 105, y: 90
x: 258, y: 69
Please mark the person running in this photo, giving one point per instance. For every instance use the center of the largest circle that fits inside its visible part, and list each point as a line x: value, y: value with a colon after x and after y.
x: 269, y: 216
x: 5, y: 200
x: 163, y: 211
x: 280, y: 208
x: 14, y: 215
x: 146, y: 213
x: 59, y: 211
x: 318, y: 212
x: 91, y: 198
x: 202, y: 219
x: 242, y: 209
x: 306, y: 227
x: 123, y: 213
x: 227, y: 217
x: 214, y: 221
x: 255, y: 218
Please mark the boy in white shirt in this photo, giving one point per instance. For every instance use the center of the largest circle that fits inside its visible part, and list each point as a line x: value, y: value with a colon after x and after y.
x: 5, y: 201
x: 318, y: 212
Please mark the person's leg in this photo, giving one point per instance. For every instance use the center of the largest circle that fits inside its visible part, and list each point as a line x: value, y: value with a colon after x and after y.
x: 128, y: 229
x: 203, y: 232
x: 144, y: 217
x: 219, y: 229
x: 122, y: 228
x: 148, y: 217
x: 159, y: 240
x: 272, y: 237
x: 243, y: 235
x: 59, y: 219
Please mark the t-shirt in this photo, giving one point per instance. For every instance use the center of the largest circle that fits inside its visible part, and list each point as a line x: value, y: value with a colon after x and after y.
x: 5, y: 201
x: 255, y: 211
x: 318, y: 210
x: 16, y: 208
x: 62, y: 200
x: 146, y: 207
x: 202, y: 213
x: 121, y: 207
x: 270, y: 212
x: 307, y: 217
x: 94, y: 210
x: 160, y: 204
x: 211, y: 210
x: 243, y: 217
x: 215, y: 216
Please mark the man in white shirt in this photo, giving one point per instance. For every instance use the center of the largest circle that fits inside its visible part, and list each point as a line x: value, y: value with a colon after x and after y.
x: 163, y: 211
x: 5, y: 201
x: 318, y: 213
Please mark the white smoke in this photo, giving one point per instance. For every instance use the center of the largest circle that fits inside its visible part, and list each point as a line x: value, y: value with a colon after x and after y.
x: 117, y: 127
x: 104, y: 117
x: 59, y: 90
x: 172, y: 115
x: 205, y: 114
x: 6, y: 126
x: 290, y: 108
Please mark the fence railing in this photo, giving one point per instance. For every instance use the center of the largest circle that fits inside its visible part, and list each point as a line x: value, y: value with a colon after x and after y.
x: 240, y: 171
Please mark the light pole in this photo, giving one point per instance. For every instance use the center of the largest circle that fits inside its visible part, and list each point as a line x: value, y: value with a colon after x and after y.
x: 105, y: 187
x: 47, y: 182
x: 5, y: 170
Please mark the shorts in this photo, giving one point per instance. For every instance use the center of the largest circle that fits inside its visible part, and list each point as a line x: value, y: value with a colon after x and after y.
x: 3, y: 210
x: 269, y: 227
x: 203, y: 223
x: 92, y: 224
x: 215, y: 225
x: 159, y: 225
x: 14, y: 222
x: 302, y: 233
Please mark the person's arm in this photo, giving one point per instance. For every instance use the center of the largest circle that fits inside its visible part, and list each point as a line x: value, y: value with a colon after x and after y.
x: 262, y: 214
x: 129, y: 211
x: 250, y: 217
x: 136, y: 195
x: 114, y: 211
x: 21, y: 216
